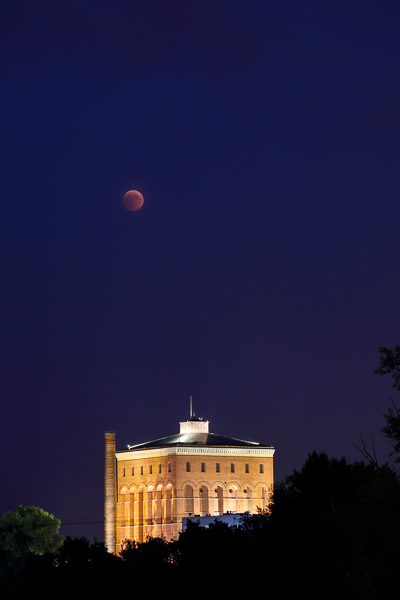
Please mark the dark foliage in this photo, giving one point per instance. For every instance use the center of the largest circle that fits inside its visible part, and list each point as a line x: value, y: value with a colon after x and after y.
x: 390, y: 364
x: 205, y: 554
x: 392, y: 430
x: 341, y: 527
x: 147, y: 556
x: 333, y: 532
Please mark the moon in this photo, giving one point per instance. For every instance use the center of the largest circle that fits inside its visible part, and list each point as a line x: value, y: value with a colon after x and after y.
x: 132, y: 200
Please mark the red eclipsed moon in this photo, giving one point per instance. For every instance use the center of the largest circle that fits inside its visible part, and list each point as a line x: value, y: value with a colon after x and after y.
x: 132, y: 200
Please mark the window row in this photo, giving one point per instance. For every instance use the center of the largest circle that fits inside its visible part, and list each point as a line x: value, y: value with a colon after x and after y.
x: 218, y: 467
x: 188, y: 468
x: 142, y: 470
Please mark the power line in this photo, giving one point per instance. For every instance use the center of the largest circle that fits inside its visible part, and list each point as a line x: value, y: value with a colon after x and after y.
x: 95, y: 521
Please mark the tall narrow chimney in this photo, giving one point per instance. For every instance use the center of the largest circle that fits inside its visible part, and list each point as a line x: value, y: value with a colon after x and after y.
x: 110, y: 496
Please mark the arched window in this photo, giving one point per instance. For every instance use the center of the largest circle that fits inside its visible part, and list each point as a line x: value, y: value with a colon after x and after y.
x: 150, y: 506
x: 217, y: 468
x: 249, y: 498
x: 140, y: 516
x: 159, y: 506
x: 168, y: 505
x: 263, y: 498
x: 122, y: 517
x: 233, y: 499
x: 220, y: 503
x: 189, y: 499
x: 204, y: 499
x: 132, y: 512
x: 246, y: 468
x: 203, y: 467
x: 232, y: 467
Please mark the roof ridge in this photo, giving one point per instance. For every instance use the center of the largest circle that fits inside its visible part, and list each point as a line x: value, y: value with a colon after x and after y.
x: 184, y: 438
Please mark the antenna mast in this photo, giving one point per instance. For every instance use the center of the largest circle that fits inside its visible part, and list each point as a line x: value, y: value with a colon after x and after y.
x: 191, y: 408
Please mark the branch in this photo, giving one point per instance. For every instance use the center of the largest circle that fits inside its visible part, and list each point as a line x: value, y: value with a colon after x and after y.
x: 370, y: 456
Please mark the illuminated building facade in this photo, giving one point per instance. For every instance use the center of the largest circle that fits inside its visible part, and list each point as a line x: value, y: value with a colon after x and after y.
x: 150, y: 487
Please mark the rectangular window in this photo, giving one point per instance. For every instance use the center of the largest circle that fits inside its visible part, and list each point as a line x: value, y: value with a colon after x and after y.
x: 246, y: 468
x: 188, y: 467
x: 169, y: 467
x: 133, y: 470
x: 141, y: 470
x: 123, y: 472
x: 159, y: 468
x: 232, y: 467
x: 217, y: 469
x: 203, y: 467
x: 261, y: 468
x: 151, y: 469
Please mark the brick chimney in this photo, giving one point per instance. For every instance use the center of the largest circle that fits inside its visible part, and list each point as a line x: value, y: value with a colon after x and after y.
x: 110, y: 495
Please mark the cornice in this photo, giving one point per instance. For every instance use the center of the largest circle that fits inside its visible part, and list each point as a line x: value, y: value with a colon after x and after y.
x: 124, y: 455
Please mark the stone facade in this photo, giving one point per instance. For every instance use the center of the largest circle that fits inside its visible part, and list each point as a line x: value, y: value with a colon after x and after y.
x: 191, y: 474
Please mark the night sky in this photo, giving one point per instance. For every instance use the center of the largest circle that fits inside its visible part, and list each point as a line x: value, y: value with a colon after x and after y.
x: 262, y: 271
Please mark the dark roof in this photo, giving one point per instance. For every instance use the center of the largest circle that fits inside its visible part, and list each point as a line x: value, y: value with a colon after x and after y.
x: 195, y: 439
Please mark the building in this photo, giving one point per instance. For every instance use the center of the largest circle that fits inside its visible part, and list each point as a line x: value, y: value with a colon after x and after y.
x: 150, y: 487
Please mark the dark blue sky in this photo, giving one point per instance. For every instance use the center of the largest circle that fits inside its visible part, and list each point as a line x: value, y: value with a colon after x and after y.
x: 261, y: 273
